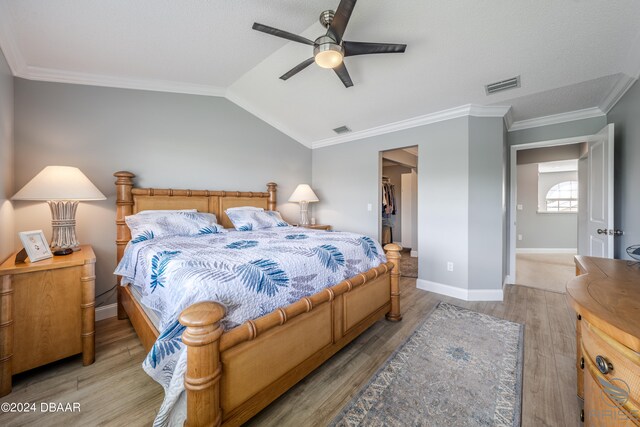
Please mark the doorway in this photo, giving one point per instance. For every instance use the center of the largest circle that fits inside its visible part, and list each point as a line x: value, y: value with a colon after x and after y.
x: 399, y: 205
x: 547, y: 210
x: 561, y: 203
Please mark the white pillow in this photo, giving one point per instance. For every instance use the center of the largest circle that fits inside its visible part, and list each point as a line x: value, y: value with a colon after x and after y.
x: 165, y: 211
x: 247, y: 220
x: 244, y: 208
x: 146, y: 227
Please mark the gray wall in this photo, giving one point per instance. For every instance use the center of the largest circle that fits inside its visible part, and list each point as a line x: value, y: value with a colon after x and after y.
x: 7, y: 231
x: 626, y: 116
x: 449, y: 230
x: 395, y: 175
x: 442, y: 192
x: 168, y: 140
x: 542, y: 230
x: 487, y: 204
x: 557, y: 131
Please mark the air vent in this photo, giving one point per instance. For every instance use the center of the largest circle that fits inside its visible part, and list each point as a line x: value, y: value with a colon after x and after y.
x: 503, y: 85
x: 342, y: 129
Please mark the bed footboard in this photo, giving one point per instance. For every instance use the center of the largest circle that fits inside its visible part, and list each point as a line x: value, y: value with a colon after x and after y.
x: 206, y: 343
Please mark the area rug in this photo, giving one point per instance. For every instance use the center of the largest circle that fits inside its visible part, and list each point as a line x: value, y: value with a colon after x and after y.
x: 459, y: 368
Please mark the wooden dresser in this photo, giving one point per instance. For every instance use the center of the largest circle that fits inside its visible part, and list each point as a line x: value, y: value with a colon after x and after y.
x: 606, y: 299
x: 46, y: 312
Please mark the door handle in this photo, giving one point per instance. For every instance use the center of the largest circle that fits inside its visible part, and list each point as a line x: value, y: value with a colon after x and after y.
x: 602, y: 231
x: 617, y: 233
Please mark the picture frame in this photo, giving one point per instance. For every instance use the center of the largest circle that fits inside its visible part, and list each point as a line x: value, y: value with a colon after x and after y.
x: 36, y: 245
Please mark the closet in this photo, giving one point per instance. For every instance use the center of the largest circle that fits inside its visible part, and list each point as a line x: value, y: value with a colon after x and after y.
x: 388, y: 210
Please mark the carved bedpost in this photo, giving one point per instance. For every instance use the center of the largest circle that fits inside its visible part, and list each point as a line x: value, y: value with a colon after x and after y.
x: 393, y: 255
x: 202, y: 379
x: 272, y: 188
x: 6, y: 334
x: 124, y: 207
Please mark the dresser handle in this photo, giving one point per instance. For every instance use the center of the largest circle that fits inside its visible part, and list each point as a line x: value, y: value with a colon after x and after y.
x: 582, y: 363
x: 581, y: 415
x: 604, y: 366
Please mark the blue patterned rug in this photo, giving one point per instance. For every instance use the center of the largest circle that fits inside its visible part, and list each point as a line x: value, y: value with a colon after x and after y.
x: 459, y: 368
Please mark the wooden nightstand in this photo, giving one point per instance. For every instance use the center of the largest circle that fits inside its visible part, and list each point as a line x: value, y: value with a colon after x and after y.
x: 47, y: 312
x: 316, y: 226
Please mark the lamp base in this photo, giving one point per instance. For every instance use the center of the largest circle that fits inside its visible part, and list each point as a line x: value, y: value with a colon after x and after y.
x: 304, y: 213
x: 63, y: 223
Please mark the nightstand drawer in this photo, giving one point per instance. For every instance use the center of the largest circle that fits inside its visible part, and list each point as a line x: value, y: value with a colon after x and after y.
x: 47, y: 317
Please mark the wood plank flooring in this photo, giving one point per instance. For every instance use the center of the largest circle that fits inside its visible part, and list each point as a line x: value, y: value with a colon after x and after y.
x: 116, y: 391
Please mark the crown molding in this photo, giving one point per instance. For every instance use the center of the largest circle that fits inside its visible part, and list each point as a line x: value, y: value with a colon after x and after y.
x: 621, y: 87
x: 60, y: 76
x: 439, y: 116
x: 570, y: 116
x: 508, y: 119
x: 247, y: 106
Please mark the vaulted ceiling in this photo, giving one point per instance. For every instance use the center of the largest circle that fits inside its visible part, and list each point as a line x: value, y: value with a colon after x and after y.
x: 572, y: 55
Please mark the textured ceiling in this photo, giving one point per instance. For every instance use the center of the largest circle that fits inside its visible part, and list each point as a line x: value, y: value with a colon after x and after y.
x: 570, y: 54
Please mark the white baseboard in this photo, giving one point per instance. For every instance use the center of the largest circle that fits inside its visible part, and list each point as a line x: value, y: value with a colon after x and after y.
x: 106, y: 311
x: 546, y: 251
x: 485, y: 295
x: 460, y: 293
x: 414, y: 254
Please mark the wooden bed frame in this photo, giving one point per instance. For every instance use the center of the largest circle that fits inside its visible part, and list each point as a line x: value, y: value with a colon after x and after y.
x: 232, y: 375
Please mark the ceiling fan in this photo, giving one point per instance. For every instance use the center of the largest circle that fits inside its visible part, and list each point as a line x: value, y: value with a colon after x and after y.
x: 330, y: 49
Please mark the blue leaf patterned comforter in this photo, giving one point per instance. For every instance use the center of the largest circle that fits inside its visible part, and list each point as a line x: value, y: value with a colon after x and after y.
x: 250, y: 273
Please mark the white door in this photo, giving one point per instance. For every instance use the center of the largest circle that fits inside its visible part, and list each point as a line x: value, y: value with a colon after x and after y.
x: 600, y: 194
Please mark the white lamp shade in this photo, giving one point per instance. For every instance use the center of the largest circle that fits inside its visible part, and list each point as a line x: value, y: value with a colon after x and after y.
x: 59, y: 183
x: 303, y: 193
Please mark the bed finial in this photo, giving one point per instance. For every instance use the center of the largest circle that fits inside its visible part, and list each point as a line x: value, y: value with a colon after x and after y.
x: 393, y: 255
x: 204, y: 367
x: 272, y: 188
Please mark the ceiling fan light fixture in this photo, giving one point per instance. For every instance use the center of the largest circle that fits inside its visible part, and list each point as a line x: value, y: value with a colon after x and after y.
x: 327, y: 53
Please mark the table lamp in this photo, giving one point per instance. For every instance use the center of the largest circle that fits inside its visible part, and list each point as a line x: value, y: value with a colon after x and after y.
x: 303, y: 195
x: 62, y: 187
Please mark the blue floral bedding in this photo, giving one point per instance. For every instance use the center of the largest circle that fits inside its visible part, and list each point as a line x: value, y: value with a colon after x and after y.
x: 250, y: 273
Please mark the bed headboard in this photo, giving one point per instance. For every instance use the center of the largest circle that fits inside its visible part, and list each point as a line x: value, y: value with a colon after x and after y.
x: 131, y: 200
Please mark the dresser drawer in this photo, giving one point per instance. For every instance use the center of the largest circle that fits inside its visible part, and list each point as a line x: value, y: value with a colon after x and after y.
x: 624, y: 364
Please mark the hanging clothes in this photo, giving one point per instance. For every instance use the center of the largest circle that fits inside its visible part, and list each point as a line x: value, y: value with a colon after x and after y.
x: 388, y: 211
x: 388, y: 198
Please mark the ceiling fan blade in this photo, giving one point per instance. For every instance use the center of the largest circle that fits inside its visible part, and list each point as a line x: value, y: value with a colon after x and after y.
x: 364, y: 48
x: 295, y: 70
x: 342, y: 72
x: 279, y: 33
x: 341, y: 19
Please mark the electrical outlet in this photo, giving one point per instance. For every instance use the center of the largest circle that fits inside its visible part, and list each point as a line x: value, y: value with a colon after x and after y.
x: 449, y: 266
x: 519, y: 236
x: 519, y: 207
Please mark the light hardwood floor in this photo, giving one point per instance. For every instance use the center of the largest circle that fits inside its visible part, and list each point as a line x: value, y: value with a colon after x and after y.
x: 116, y: 391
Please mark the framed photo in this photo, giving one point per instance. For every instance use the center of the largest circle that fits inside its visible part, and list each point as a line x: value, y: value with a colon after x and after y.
x: 35, y: 244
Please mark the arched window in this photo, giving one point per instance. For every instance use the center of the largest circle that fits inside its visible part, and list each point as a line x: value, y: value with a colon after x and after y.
x: 563, y: 197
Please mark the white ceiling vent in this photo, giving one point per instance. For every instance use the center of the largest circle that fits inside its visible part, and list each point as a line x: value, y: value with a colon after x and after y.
x: 341, y: 130
x: 502, y: 85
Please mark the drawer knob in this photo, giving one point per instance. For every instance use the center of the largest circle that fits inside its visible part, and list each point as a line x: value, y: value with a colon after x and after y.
x: 604, y: 366
x: 582, y: 363
x: 582, y: 415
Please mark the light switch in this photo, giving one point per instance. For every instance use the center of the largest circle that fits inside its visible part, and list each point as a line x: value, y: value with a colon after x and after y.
x: 519, y: 207
x: 369, y: 207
